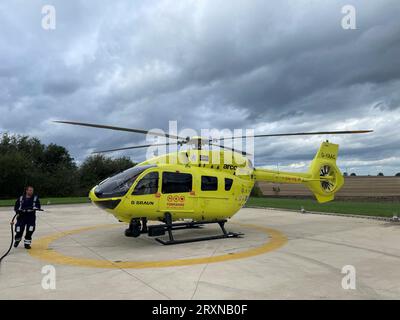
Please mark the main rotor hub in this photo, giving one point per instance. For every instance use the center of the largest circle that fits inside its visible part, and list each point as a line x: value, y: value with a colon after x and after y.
x: 198, y: 141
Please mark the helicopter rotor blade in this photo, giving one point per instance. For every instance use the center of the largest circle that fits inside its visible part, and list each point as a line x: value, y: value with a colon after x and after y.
x: 298, y: 134
x: 93, y: 125
x: 134, y: 147
x: 244, y: 153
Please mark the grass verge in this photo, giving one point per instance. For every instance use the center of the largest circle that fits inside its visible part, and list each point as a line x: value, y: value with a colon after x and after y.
x: 50, y: 201
x: 381, y: 209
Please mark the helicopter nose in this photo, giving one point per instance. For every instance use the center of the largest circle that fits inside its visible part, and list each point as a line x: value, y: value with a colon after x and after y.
x: 105, y: 204
x: 92, y: 195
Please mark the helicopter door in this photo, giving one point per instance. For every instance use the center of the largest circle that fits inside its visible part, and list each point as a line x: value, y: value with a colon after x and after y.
x: 212, y: 201
x: 176, y: 194
x: 143, y: 197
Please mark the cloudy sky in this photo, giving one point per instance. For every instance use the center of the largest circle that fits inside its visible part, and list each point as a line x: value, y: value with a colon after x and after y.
x: 273, y: 66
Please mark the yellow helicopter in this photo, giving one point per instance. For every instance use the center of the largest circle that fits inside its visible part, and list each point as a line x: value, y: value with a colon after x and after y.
x: 187, y: 189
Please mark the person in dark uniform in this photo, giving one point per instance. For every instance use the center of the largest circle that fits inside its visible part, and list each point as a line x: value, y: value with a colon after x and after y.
x: 26, y: 206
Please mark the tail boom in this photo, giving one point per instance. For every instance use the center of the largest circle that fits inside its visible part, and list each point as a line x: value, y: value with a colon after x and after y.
x: 323, y: 178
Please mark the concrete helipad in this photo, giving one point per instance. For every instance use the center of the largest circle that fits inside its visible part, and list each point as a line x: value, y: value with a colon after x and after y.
x: 282, y: 255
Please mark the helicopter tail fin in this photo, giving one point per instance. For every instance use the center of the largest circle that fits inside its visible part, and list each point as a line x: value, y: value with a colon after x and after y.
x: 323, y: 178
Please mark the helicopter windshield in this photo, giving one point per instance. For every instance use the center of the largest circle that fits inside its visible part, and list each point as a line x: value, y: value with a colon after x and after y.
x: 118, y: 185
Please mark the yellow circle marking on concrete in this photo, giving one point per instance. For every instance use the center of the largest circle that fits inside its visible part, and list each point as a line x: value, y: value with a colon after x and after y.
x: 41, y: 250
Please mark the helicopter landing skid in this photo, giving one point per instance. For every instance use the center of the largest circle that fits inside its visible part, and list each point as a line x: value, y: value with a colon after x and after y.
x: 161, y: 229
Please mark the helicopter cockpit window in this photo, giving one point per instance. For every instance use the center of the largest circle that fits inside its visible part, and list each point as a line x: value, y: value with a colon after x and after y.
x: 118, y: 185
x: 228, y: 184
x: 147, y: 185
x: 175, y: 182
x: 209, y: 183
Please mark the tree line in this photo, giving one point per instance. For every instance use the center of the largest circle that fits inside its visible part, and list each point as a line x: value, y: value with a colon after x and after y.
x: 50, y: 168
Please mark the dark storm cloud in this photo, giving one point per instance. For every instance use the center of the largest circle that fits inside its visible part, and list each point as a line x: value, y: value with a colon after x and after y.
x: 60, y: 86
x: 271, y: 66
